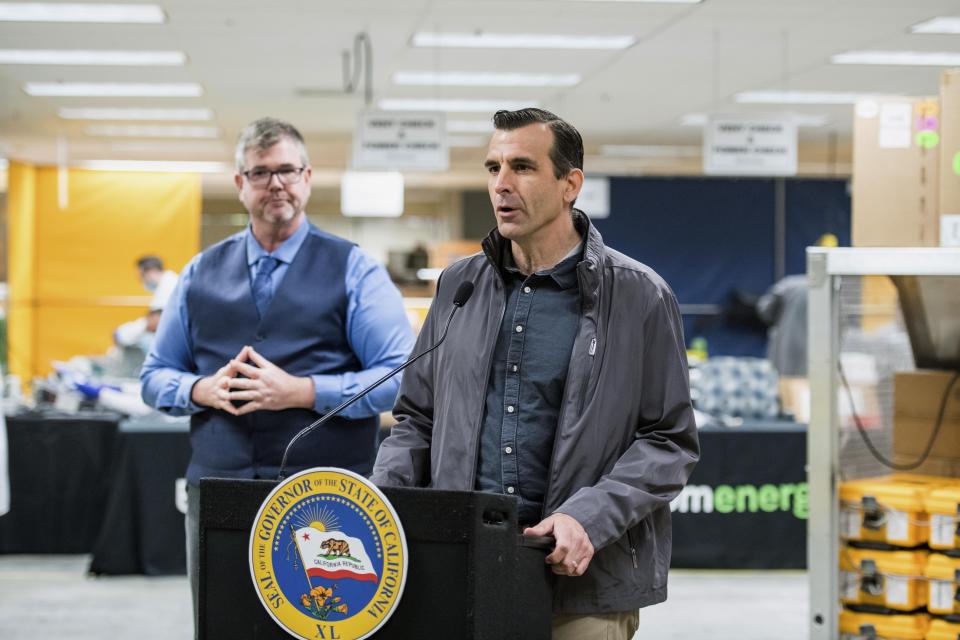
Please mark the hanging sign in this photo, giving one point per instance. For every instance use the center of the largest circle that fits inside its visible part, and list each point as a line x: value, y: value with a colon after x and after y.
x: 742, y: 145
x: 400, y: 140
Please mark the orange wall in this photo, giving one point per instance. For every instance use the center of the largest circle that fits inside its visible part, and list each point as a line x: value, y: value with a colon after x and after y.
x: 72, y: 271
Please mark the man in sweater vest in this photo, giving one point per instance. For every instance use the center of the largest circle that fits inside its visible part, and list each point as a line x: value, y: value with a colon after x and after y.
x: 271, y: 328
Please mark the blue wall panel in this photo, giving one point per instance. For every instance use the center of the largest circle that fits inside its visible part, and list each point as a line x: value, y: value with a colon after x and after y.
x: 814, y: 207
x: 709, y: 237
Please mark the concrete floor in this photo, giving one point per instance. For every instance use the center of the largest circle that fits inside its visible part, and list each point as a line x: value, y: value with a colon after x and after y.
x: 51, y: 597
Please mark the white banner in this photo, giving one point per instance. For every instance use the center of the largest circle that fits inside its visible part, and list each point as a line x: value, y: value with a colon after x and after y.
x: 742, y: 145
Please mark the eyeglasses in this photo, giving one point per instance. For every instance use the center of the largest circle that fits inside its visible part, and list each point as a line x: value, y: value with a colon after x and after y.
x: 262, y: 177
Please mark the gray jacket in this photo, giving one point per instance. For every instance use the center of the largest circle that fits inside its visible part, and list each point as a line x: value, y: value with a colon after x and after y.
x: 626, y: 440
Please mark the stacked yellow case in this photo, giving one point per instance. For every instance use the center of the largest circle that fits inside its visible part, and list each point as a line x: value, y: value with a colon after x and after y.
x: 943, y: 630
x: 900, y: 558
x: 854, y: 626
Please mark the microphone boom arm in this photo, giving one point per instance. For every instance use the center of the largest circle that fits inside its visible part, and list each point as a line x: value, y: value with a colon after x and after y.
x: 333, y: 412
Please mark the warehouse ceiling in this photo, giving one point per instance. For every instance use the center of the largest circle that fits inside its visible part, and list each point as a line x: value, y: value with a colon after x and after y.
x: 284, y: 58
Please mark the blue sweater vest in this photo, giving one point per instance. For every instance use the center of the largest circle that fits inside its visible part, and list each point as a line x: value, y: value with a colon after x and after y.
x: 303, y: 333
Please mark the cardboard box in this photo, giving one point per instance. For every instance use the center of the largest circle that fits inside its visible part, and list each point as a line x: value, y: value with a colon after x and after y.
x: 895, y: 178
x: 949, y: 196
x: 916, y: 402
x: 795, y: 397
x: 932, y: 466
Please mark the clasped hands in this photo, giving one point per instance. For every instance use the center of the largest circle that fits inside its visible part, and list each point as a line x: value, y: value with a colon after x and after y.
x: 573, y: 551
x: 265, y: 386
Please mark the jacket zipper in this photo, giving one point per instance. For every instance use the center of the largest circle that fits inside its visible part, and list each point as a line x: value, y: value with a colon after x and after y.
x: 633, y: 548
x: 553, y: 453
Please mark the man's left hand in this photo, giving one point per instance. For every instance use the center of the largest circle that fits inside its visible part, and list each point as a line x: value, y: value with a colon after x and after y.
x: 573, y: 552
x: 267, y: 386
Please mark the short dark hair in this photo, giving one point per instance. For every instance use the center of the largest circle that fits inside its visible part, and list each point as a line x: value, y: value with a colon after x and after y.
x: 263, y: 134
x: 146, y: 263
x: 567, y: 151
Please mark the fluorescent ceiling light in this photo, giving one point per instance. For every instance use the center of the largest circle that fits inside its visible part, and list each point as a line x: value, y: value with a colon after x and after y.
x: 115, y: 89
x: 75, y: 12
x: 519, y: 41
x: 906, y: 58
x: 649, y: 151
x: 151, y: 131
x: 81, y: 57
x: 461, y: 106
x: 157, y: 165
x: 800, y: 119
x: 484, y: 79
x: 802, y: 97
x: 466, y: 141
x: 470, y: 126
x: 177, y: 148
x: 693, y: 120
x: 125, y: 113
x: 943, y: 24
x: 647, y: 1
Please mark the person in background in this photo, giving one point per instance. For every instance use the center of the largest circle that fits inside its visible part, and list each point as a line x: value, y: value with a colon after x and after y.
x: 784, y: 309
x: 271, y: 328
x: 563, y: 383
x: 160, y: 283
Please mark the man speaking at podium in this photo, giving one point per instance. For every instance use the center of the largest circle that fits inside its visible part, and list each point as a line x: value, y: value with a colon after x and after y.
x: 564, y: 383
x: 271, y: 327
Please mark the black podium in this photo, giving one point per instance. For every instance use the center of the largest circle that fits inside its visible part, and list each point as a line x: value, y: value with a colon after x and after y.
x: 471, y: 575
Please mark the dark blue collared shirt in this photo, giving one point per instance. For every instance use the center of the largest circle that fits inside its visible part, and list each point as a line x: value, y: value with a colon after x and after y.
x: 527, y: 380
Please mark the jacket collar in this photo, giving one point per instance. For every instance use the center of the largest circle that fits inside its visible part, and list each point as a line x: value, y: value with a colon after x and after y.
x: 593, y: 247
x: 589, y: 269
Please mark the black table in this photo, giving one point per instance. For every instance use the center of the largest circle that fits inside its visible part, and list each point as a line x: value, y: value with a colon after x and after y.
x: 81, y: 485
x: 745, y: 506
x: 59, y: 481
x: 142, y: 531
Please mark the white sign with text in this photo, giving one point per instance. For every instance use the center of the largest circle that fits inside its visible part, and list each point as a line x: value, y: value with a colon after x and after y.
x: 401, y: 140
x: 742, y: 145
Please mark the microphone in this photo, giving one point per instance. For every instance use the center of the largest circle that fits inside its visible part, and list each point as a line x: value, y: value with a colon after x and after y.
x: 460, y: 297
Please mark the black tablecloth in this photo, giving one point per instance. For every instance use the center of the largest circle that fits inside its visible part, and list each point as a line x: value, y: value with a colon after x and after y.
x: 79, y: 485
x: 142, y: 530
x: 746, y: 503
x: 59, y: 482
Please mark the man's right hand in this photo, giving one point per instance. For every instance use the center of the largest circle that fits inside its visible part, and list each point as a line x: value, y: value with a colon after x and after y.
x: 214, y: 391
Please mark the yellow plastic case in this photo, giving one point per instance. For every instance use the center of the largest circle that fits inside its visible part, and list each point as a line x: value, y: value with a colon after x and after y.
x: 943, y: 506
x: 892, y: 579
x: 888, y: 509
x: 943, y: 630
x: 942, y: 574
x: 854, y: 625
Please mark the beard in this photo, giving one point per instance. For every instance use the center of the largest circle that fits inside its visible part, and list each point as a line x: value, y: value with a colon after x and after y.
x: 279, y: 211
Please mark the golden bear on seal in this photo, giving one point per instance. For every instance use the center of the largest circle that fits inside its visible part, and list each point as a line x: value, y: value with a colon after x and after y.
x: 338, y: 547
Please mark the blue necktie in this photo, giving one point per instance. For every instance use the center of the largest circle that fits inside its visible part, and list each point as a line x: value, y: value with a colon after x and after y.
x: 262, y: 291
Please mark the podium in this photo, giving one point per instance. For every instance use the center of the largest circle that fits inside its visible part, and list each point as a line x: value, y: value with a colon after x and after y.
x: 471, y: 575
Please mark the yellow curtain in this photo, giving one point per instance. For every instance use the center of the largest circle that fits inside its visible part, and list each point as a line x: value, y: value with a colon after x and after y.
x: 72, y: 271
x: 21, y: 192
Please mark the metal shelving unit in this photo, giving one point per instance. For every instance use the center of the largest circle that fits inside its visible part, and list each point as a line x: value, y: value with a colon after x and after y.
x: 927, y: 281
